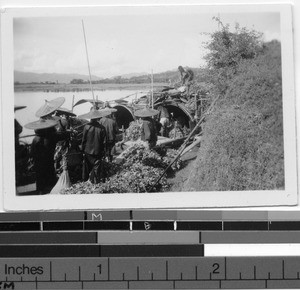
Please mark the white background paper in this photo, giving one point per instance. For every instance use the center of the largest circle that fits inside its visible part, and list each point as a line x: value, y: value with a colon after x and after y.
x: 66, y: 3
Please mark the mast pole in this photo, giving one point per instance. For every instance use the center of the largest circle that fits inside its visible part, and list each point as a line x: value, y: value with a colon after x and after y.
x: 88, y: 62
x: 73, y: 98
x: 152, y: 87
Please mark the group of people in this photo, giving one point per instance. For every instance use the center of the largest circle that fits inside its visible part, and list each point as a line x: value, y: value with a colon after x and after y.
x: 98, y: 139
x: 53, y: 130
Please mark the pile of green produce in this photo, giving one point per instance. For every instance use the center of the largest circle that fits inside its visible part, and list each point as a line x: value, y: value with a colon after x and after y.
x: 133, y: 132
x: 139, y: 172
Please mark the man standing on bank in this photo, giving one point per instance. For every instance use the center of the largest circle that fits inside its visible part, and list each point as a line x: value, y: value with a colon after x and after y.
x: 44, y: 143
x: 111, y: 129
x: 93, y: 145
x: 187, y: 76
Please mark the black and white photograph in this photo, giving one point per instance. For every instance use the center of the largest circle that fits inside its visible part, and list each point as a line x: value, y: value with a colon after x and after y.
x: 157, y: 106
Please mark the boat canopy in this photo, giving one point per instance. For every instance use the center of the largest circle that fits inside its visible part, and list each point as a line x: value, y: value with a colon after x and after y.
x: 124, y: 116
x: 178, y: 111
x: 125, y: 113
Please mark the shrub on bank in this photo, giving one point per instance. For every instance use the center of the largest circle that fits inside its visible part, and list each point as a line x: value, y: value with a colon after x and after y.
x: 242, y: 148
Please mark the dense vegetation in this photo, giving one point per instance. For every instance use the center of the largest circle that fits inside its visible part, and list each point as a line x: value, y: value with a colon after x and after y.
x: 138, y: 173
x: 242, y: 148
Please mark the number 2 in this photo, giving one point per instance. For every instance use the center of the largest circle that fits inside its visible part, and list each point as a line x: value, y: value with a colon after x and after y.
x: 216, y: 267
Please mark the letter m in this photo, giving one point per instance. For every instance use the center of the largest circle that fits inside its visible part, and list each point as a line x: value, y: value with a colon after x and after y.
x: 96, y: 217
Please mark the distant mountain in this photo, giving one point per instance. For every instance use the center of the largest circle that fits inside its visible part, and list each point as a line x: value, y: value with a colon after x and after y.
x: 29, y: 77
x: 167, y: 76
x: 128, y: 76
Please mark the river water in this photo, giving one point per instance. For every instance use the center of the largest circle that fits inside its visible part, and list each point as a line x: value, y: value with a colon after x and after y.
x: 34, y: 100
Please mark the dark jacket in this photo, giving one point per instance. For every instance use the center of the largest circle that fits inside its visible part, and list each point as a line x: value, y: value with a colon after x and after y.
x: 42, y: 152
x: 94, y: 138
x: 111, y: 128
x: 43, y: 144
x: 149, y: 132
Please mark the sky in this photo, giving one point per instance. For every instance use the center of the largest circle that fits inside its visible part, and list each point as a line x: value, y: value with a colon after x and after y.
x: 124, y: 44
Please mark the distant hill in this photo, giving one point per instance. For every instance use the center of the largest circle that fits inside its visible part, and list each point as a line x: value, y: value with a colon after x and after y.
x: 130, y: 75
x: 135, y: 78
x: 29, y: 77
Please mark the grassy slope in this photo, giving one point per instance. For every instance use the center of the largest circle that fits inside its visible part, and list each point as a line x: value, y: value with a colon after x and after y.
x: 243, y: 144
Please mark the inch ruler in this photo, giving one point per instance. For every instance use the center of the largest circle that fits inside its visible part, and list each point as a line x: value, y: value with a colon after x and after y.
x: 151, y: 273
x: 145, y: 249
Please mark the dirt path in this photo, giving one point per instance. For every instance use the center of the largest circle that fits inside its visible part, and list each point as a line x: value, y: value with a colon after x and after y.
x: 177, y: 181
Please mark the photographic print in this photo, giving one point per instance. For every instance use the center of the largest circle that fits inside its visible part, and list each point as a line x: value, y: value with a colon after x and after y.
x: 152, y: 107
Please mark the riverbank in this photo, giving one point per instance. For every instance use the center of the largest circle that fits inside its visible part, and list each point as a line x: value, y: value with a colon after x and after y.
x: 181, y: 176
x: 84, y: 87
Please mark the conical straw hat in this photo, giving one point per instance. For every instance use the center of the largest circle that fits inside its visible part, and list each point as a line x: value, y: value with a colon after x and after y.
x: 146, y: 112
x: 94, y: 114
x: 41, y: 124
x: 108, y: 110
x: 19, y: 107
x: 49, y: 107
x: 65, y: 111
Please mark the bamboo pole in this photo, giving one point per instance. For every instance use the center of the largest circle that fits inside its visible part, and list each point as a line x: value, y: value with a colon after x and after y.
x: 73, y: 98
x: 152, y: 101
x: 88, y: 62
x: 26, y: 136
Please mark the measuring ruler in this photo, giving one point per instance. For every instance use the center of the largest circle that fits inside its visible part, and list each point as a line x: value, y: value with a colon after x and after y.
x: 144, y: 250
x: 151, y: 273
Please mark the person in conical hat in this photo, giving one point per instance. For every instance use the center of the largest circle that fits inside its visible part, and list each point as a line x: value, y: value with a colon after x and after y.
x: 148, y: 130
x: 64, y: 123
x: 42, y: 152
x: 111, y: 129
x: 93, y: 146
x: 49, y: 107
x: 146, y: 112
x: 94, y: 113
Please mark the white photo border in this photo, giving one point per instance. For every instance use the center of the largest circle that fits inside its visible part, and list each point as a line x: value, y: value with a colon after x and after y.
x: 215, y: 199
